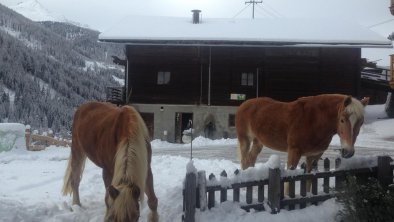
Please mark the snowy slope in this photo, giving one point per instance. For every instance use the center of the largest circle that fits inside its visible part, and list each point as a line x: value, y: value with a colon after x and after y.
x: 35, y: 11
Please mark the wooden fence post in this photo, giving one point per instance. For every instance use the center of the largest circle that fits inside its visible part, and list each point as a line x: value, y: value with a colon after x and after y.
x: 260, y: 193
x: 249, y: 194
x: 28, y: 137
x: 385, y: 174
x: 274, y: 190
x: 190, y: 197
x: 326, y: 180
x: 314, y: 180
x: 303, y: 191
x: 339, y: 180
x: 211, y: 193
x: 291, y: 192
x: 202, y: 189
x: 236, y: 189
x: 223, y: 190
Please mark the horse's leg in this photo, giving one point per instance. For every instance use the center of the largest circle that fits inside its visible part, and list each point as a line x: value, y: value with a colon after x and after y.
x: 254, y: 151
x: 152, y: 199
x: 150, y: 191
x: 243, y: 150
x: 293, y: 157
x: 107, y: 178
x: 310, y: 160
x: 77, y: 165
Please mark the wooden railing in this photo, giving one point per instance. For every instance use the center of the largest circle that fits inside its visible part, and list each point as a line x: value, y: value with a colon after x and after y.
x: 36, y: 142
x: 115, y: 95
x: 201, y: 193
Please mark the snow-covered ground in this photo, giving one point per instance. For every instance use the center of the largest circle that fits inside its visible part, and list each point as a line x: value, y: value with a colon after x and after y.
x: 30, y: 182
x: 100, y: 65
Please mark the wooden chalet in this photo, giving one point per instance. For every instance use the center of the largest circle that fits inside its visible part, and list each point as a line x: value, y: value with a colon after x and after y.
x: 182, y: 69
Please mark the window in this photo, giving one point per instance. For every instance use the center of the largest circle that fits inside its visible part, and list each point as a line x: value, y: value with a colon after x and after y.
x: 163, y: 78
x: 247, y: 79
x: 231, y: 120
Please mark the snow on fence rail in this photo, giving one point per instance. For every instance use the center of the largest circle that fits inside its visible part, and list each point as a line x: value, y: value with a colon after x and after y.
x: 200, y: 192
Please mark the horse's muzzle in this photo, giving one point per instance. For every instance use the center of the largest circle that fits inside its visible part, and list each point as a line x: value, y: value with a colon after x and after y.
x: 346, y: 153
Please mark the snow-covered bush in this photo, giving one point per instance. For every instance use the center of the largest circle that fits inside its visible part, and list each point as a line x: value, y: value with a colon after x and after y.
x: 364, y: 202
x: 12, y: 135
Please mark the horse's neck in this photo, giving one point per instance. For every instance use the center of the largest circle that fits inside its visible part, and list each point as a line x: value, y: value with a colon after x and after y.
x: 327, y: 119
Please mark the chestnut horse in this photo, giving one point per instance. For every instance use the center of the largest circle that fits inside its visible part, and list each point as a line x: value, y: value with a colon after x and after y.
x: 115, y: 139
x: 303, y: 127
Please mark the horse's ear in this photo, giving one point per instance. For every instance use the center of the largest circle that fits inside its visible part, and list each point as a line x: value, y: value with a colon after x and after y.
x: 113, y: 192
x: 347, y: 101
x: 365, y: 101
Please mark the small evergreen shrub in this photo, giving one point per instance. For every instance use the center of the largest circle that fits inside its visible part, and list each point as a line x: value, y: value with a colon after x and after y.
x: 365, y: 202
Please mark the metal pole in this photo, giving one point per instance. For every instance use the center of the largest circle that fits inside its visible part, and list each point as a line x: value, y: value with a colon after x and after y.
x: 253, y: 2
x: 126, y: 79
x: 257, y: 82
x: 201, y: 68
x: 253, y: 10
x: 191, y: 138
x: 209, y: 77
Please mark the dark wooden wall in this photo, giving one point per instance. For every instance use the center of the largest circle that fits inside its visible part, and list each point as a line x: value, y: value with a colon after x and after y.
x: 283, y: 73
x: 290, y: 74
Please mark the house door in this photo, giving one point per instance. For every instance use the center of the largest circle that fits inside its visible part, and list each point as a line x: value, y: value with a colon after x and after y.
x: 181, y: 123
x: 149, y: 120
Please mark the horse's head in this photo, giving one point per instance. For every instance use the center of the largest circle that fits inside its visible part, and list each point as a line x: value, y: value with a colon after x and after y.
x: 122, y: 203
x: 350, y: 119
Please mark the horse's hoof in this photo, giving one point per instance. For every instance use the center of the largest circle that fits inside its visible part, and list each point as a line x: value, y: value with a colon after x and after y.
x: 76, y: 208
x: 153, y: 216
x: 67, y: 206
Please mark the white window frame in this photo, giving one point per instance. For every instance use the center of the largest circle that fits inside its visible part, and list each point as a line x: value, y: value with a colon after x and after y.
x: 163, y: 77
x: 247, y: 79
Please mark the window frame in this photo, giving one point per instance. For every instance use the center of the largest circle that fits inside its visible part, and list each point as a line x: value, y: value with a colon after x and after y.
x: 247, y: 79
x: 163, y: 78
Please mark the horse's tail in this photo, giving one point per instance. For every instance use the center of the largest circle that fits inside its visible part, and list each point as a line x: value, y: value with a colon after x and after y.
x: 67, y: 179
x: 243, y: 130
x: 72, y: 174
x: 131, y: 160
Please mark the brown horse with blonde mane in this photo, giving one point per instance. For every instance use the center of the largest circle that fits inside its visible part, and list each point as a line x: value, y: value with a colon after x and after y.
x: 115, y: 139
x: 303, y: 127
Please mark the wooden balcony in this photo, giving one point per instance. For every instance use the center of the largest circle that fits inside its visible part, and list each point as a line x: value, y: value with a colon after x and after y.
x: 115, y: 95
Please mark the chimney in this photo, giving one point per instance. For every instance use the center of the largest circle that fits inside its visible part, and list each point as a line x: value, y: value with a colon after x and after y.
x: 196, y: 16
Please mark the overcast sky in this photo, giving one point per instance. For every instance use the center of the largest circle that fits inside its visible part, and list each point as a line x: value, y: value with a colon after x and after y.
x: 102, y: 14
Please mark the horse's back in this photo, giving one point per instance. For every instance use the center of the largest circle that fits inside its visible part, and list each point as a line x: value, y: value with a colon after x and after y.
x: 265, y: 107
x: 92, y: 117
x: 260, y: 108
x: 94, y: 131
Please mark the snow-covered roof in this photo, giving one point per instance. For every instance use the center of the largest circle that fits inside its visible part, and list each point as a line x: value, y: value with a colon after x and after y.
x: 243, y: 32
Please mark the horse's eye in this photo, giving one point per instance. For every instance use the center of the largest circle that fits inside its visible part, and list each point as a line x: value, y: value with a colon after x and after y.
x: 342, y: 121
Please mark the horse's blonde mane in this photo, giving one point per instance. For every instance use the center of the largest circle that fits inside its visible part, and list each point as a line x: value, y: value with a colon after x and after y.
x: 355, y: 108
x: 131, y: 159
x: 122, y: 208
